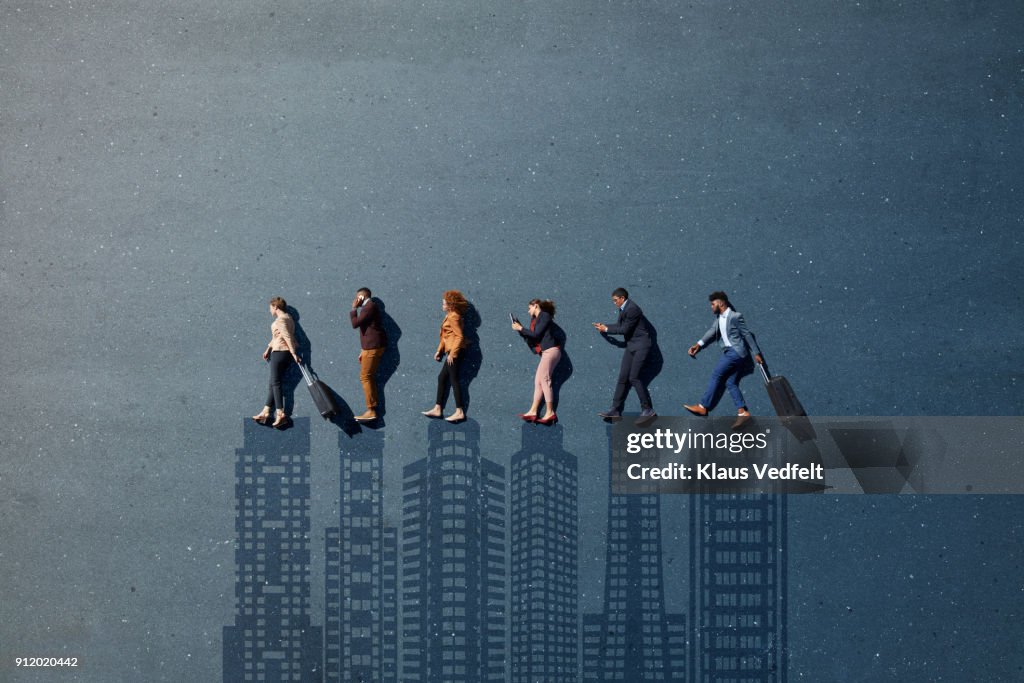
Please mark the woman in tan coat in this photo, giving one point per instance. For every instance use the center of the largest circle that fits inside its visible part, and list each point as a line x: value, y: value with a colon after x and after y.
x: 280, y: 352
x: 450, y: 350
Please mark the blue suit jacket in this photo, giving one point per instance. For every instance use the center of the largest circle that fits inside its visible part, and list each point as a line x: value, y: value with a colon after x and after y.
x: 741, y: 338
x: 546, y: 332
x: 633, y: 327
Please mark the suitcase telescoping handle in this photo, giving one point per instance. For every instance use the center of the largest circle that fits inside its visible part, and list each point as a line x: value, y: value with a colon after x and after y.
x: 306, y: 375
x: 764, y: 371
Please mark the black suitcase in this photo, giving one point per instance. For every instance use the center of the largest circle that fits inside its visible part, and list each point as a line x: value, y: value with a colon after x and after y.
x: 787, y: 405
x: 322, y: 395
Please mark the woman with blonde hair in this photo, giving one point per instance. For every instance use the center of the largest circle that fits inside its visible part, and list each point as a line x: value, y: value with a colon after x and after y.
x: 546, y: 339
x: 280, y: 353
x: 450, y: 353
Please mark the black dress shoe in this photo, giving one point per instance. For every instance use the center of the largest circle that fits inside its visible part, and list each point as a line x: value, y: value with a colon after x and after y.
x: 611, y: 414
x: 647, y: 416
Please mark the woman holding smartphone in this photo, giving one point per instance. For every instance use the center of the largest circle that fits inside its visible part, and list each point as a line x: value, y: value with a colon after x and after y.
x: 280, y: 353
x: 546, y: 339
x: 449, y: 353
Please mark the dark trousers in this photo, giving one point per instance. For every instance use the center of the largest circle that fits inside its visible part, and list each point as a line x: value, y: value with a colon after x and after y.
x: 629, y: 376
x: 449, y: 375
x: 280, y: 361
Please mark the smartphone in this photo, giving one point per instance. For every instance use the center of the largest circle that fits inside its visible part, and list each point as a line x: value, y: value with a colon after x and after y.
x: 512, y: 318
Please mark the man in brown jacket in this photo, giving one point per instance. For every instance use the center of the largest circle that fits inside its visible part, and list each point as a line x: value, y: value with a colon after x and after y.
x: 365, y: 317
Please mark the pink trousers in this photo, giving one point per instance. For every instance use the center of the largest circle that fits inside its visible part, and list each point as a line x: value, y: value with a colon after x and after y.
x: 542, y: 380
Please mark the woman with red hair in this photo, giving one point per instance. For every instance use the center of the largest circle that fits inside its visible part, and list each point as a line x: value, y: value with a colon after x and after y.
x: 449, y: 353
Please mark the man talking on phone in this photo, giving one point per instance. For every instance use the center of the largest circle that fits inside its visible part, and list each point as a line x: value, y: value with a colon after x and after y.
x: 365, y: 317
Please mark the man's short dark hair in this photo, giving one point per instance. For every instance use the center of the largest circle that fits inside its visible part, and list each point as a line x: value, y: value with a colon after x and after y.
x: 621, y: 292
x: 365, y: 290
x: 720, y: 295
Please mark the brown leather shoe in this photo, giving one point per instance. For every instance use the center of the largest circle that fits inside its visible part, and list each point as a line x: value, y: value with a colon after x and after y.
x: 369, y: 416
x: 742, y: 418
x: 698, y: 410
x: 282, y: 420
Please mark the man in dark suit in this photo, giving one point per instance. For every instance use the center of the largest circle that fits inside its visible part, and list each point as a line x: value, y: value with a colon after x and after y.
x: 637, y: 334
x: 738, y: 344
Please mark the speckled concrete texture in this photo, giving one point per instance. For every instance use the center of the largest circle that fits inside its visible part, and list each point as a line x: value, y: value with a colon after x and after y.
x: 849, y: 172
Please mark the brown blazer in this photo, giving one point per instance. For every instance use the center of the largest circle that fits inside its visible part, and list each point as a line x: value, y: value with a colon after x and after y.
x: 452, y: 341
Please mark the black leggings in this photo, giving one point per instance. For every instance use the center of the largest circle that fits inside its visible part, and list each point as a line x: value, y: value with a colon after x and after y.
x: 280, y: 361
x: 449, y: 375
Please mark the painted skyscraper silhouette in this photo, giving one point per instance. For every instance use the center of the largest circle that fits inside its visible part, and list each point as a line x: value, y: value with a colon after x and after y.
x: 544, y: 535
x: 272, y: 638
x: 361, y: 573
x: 453, y: 561
x: 738, y: 587
x: 633, y: 639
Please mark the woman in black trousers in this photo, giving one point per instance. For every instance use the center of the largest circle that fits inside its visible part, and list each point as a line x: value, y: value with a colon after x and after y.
x: 452, y: 345
x: 280, y: 353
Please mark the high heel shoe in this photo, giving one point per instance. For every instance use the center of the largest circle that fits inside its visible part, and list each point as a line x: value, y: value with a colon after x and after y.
x: 548, y: 421
x: 262, y: 417
x: 282, y: 420
x: 526, y: 417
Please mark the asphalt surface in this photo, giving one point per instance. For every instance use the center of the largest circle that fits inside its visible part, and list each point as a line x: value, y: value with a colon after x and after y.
x: 848, y: 172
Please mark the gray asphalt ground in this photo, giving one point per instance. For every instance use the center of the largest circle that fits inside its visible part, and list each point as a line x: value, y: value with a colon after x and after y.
x: 849, y: 172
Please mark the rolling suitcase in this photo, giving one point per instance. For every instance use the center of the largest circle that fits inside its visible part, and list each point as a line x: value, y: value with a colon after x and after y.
x: 322, y: 395
x: 787, y: 405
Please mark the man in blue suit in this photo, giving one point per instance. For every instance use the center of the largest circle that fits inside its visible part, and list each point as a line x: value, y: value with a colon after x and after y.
x: 636, y: 332
x: 738, y: 343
